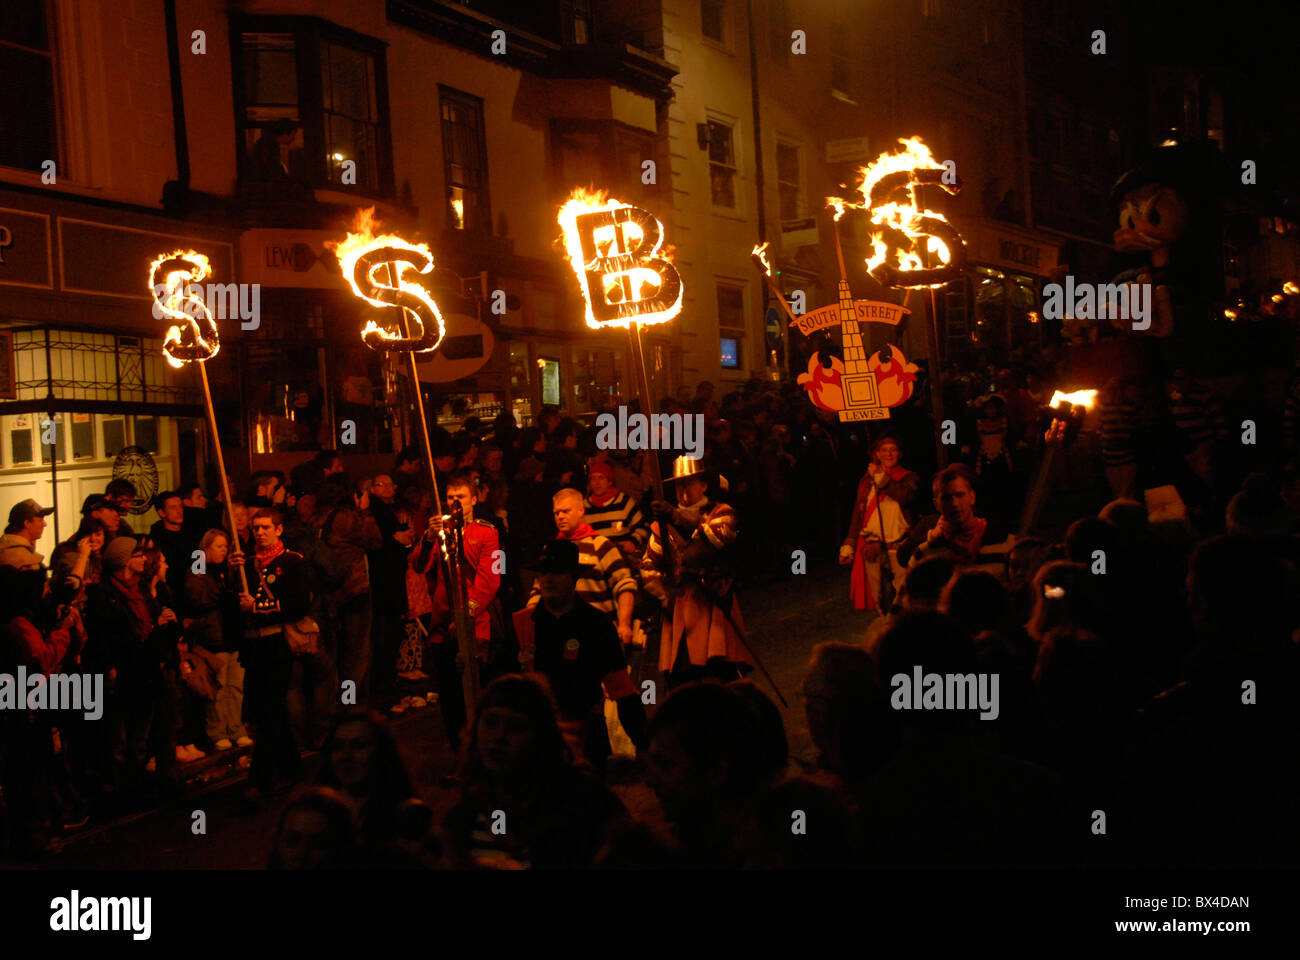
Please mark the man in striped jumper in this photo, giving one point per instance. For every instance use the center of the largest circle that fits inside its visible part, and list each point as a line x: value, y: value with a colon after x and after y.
x: 1120, y: 426
x: 606, y: 580
x: 612, y: 513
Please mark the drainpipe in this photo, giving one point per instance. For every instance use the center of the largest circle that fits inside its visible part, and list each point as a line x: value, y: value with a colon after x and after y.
x: 175, y: 195
x: 758, y: 160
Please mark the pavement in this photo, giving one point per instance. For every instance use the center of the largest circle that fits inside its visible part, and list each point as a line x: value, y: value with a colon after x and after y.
x: 785, y: 616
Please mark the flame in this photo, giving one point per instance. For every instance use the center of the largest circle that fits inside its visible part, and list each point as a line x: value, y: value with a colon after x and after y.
x: 358, y: 242
x: 901, y: 217
x: 759, y: 253
x: 638, y: 279
x: 179, y: 302
x: 1290, y: 287
x: 1080, y: 398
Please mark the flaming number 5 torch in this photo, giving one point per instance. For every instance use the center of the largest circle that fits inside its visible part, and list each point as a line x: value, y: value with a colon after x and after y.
x: 192, y: 338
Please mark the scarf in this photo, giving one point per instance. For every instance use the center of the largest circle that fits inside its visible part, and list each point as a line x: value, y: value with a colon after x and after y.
x: 136, y: 605
x: 606, y: 497
x: 968, y: 543
x: 583, y: 529
x: 859, y: 586
x: 266, y: 556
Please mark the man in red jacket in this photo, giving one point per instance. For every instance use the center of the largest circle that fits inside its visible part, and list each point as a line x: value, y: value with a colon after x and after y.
x: 482, y: 564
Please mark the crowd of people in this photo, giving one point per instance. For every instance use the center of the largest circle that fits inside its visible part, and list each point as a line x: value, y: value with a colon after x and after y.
x: 1146, y: 659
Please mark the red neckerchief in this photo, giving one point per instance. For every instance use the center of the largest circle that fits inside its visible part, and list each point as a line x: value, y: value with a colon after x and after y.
x: 266, y: 556
x: 583, y: 530
x: 606, y: 497
x: 970, y: 543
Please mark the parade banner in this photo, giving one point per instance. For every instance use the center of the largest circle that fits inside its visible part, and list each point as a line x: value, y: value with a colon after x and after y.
x: 876, y: 311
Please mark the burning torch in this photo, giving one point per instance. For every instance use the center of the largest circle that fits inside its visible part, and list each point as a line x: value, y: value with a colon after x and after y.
x: 378, y: 269
x: 192, y: 338
x: 1065, y: 414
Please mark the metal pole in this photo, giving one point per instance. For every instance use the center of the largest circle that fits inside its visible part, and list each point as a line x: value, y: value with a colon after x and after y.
x: 221, y: 466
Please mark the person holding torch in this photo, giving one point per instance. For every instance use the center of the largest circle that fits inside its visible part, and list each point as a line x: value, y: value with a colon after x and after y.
x: 879, y: 522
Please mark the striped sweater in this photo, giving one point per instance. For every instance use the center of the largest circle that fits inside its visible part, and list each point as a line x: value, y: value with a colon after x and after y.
x: 717, y: 527
x: 1197, y: 413
x: 606, y: 575
x: 1120, y: 424
x: 619, y: 519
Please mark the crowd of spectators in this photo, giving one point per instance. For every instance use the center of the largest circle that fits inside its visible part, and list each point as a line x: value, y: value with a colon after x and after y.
x: 1147, y: 705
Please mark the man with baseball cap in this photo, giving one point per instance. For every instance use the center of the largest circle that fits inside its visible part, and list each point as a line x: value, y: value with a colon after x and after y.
x: 107, y: 510
x: 26, y: 524
x: 579, y: 651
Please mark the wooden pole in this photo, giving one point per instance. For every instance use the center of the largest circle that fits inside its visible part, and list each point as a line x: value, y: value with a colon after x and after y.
x: 455, y: 597
x: 643, y: 388
x: 936, y: 389
x: 221, y: 467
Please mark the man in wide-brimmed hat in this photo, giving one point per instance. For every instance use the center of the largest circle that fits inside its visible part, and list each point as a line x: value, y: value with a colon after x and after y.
x: 701, y: 633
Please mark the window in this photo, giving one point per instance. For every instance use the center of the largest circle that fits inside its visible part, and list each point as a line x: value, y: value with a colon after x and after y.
x: 730, y: 353
x: 577, y: 27
x: 83, y: 436
x: 788, y: 179
x: 114, y: 431
x: 312, y: 106
x: 841, y: 63
x: 54, y: 430
x: 731, y: 322
x: 722, y: 165
x: 713, y: 16
x: 146, y: 433
x: 20, y: 439
x: 778, y: 12
x: 351, y: 115
x: 272, y: 138
x: 464, y: 161
x: 28, y: 123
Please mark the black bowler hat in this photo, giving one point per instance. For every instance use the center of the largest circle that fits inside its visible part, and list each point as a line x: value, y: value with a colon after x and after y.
x: 559, y: 556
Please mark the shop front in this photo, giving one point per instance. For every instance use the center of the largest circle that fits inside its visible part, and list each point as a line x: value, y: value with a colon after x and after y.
x: 993, y: 314
x: 85, y: 392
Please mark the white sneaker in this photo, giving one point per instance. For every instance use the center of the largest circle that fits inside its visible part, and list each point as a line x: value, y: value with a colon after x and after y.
x: 224, y: 744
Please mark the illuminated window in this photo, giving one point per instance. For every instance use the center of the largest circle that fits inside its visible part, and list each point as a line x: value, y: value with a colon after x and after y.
x: 722, y: 165
x: 464, y: 161
x: 28, y: 136
x: 713, y: 18
x: 788, y: 179
x: 731, y: 323
x: 730, y: 353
